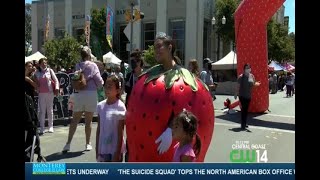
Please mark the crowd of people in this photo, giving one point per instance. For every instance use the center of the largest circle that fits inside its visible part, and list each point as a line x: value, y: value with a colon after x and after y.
x: 102, y: 95
x: 282, y: 82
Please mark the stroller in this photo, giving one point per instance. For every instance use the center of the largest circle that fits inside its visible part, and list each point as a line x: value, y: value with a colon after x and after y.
x: 32, y: 140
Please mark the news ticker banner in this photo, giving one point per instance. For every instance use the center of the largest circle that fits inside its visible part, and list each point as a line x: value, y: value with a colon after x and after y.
x: 79, y: 171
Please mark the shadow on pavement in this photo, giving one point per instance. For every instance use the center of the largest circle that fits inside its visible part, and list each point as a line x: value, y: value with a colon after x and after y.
x: 61, y: 155
x: 254, y: 121
x: 288, y: 97
x: 238, y: 129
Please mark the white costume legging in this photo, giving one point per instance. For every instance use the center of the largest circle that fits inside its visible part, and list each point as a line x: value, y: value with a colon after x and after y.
x: 46, y: 105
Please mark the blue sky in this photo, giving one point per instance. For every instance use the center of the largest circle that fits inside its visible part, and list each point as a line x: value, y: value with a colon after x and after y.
x: 289, y: 11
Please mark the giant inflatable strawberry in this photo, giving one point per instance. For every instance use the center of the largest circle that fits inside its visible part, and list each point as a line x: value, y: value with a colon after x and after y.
x: 156, y: 95
x: 251, y: 20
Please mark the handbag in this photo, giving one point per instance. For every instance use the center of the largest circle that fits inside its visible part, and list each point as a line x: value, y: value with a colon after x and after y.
x: 53, y: 84
x: 79, y: 82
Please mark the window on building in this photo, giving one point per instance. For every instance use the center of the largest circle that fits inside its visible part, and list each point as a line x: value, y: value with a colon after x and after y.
x: 177, y: 32
x: 123, y: 41
x: 59, y: 33
x: 77, y: 33
x: 149, y: 34
x: 40, y: 38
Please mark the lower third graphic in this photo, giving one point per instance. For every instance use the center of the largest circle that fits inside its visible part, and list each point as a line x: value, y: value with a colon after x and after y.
x: 49, y: 168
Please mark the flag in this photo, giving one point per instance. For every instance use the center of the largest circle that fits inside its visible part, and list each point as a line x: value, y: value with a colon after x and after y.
x: 47, y: 27
x: 87, y: 30
x: 109, y: 25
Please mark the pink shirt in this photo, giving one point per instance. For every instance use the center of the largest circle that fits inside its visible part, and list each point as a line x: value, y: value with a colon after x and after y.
x: 108, y: 137
x: 44, y: 78
x: 91, y: 74
x: 186, y: 150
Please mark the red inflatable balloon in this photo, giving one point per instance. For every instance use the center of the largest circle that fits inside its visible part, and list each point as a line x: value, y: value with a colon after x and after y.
x: 150, y: 107
x: 251, y: 19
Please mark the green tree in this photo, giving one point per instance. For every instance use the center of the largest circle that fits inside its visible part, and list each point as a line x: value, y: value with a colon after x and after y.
x: 226, y: 8
x: 27, y: 26
x: 280, y: 45
x: 82, y: 39
x: 149, y: 56
x: 98, y: 41
x: 63, y: 52
x: 292, y: 36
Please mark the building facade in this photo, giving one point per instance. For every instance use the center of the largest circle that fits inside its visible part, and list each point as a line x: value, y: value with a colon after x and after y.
x: 286, y: 22
x: 188, y: 22
x: 279, y: 15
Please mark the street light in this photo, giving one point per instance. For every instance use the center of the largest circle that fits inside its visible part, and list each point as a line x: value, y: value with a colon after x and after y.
x: 132, y: 4
x: 132, y: 17
x: 223, y: 20
x: 213, y: 22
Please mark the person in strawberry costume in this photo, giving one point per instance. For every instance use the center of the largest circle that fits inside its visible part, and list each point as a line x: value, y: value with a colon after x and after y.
x: 160, y: 94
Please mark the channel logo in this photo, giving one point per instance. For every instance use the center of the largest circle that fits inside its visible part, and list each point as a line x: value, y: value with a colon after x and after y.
x: 49, y: 168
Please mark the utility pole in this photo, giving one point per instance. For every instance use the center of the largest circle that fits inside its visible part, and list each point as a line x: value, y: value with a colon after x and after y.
x: 131, y: 27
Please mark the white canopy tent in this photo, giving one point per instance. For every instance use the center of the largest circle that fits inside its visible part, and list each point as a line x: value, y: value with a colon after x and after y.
x: 93, y: 58
x: 228, y: 62
x: 111, y: 58
x: 36, y: 56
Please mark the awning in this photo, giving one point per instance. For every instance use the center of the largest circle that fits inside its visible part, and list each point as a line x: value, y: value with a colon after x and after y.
x: 227, y: 63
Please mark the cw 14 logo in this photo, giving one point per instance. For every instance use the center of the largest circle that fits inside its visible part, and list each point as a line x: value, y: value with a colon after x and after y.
x: 243, y: 156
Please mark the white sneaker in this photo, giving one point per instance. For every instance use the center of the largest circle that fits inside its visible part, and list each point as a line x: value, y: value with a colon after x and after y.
x: 66, y: 148
x: 50, y: 130
x: 88, y: 147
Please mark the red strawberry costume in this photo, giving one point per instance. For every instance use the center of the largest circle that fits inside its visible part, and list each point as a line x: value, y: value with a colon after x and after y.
x: 156, y: 95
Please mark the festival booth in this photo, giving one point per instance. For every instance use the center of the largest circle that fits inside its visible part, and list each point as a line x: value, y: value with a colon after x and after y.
x: 274, y: 67
x: 93, y: 58
x: 36, y: 56
x: 112, y: 59
x: 289, y: 67
x: 224, y: 72
x: 229, y: 62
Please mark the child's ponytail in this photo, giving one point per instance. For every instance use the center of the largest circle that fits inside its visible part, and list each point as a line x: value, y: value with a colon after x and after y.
x: 197, y: 145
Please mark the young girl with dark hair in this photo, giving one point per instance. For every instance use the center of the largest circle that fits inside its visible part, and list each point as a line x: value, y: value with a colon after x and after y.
x: 110, y: 144
x: 184, y: 130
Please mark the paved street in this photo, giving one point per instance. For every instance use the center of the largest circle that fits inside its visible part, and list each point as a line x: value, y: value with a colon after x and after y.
x: 276, y: 130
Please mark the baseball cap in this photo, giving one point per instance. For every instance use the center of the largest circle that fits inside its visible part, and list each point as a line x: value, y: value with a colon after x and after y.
x: 207, y: 60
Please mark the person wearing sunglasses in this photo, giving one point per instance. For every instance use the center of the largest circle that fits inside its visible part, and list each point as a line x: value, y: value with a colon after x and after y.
x: 246, y: 82
x: 132, y: 77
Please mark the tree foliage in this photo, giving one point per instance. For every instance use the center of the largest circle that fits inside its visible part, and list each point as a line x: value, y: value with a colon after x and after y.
x: 226, y: 8
x: 27, y: 26
x: 292, y: 36
x: 149, y: 56
x: 98, y: 41
x: 280, y: 45
x: 63, y: 52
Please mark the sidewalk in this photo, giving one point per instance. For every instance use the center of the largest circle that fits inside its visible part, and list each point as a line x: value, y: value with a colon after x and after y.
x: 282, y: 111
